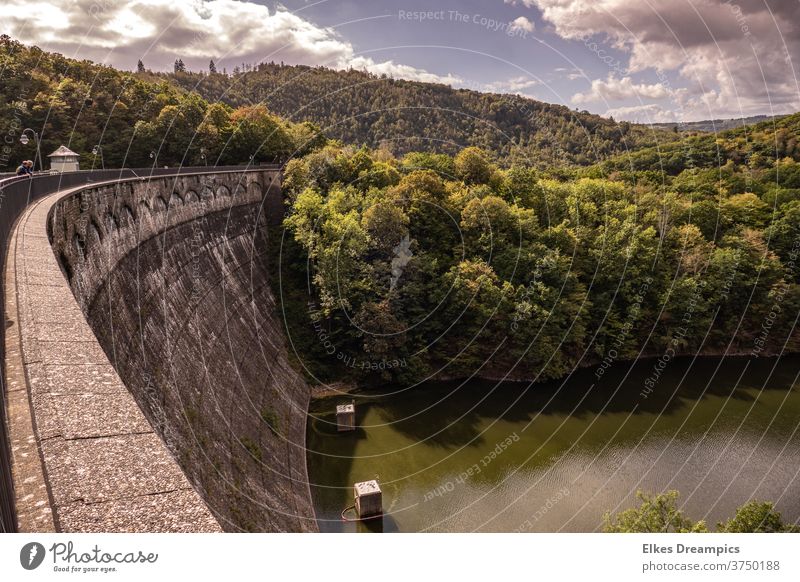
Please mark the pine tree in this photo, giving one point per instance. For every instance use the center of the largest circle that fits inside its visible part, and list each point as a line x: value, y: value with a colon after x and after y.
x: 212, y: 68
x: 140, y: 66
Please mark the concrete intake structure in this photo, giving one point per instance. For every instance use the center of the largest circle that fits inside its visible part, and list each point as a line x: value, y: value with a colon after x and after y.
x: 147, y: 375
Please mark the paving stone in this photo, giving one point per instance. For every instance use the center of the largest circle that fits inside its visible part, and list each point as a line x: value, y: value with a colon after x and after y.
x: 174, y: 511
x: 106, y: 468
x: 92, y: 415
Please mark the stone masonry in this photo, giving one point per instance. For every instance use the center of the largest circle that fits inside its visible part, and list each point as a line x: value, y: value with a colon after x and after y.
x: 163, y: 285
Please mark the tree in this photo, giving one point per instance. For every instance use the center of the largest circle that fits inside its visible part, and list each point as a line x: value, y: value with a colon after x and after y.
x: 179, y: 66
x: 214, y: 132
x: 258, y: 135
x: 472, y: 166
x: 386, y: 225
x: 442, y: 164
x: 785, y: 231
x: 657, y: 514
x: 756, y: 517
x: 212, y: 68
x: 140, y: 66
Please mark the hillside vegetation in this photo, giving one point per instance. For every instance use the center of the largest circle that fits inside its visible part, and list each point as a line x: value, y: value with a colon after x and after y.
x: 81, y: 104
x: 359, y: 108
x: 452, y: 266
x: 756, y: 147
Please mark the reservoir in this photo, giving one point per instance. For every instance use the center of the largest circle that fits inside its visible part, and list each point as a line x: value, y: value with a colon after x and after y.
x: 548, y: 457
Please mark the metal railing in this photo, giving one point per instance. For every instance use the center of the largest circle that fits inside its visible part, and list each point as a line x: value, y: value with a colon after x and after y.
x: 16, y: 194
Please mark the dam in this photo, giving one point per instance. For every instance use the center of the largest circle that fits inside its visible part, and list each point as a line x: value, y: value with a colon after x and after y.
x: 146, y: 379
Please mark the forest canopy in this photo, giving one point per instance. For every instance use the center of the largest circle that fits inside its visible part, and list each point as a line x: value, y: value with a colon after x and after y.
x: 360, y: 108
x: 455, y: 266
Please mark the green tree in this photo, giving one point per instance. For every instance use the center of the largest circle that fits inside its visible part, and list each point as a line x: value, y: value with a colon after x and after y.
x: 442, y: 164
x: 472, y: 166
x: 756, y: 517
x: 214, y: 131
x: 657, y: 514
x: 258, y: 136
x: 386, y: 225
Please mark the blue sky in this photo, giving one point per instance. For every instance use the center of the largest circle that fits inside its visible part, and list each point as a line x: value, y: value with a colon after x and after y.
x: 641, y: 60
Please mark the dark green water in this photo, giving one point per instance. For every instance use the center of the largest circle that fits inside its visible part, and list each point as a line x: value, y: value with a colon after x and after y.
x: 481, y: 456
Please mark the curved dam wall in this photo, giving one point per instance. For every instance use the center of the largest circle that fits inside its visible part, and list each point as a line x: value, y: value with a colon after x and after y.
x: 172, y: 276
x: 17, y: 195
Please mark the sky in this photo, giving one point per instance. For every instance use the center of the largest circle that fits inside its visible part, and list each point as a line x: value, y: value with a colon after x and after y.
x: 638, y: 60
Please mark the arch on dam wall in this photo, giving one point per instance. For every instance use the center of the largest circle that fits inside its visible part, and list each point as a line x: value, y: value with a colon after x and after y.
x: 189, y: 431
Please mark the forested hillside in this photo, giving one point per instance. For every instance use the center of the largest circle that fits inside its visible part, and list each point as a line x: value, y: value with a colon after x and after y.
x: 756, y: 147
x: 454, y: 267
x: 276, y: 112
x: 136, y: 122
x: 363, y: 109
x: 715, y: 125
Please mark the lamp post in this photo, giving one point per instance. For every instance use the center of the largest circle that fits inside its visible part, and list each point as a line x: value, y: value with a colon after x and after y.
x: 98, y: 149
x: 153, y: 156
x: 23, y: 139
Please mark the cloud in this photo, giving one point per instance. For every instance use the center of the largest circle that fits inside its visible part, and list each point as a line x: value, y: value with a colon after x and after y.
x: 616, y: 89
x: 570, y: 74
x: 521, y: 24
x: 650, y: 113
x: 514, y: 85
x: 160, y: 31
x: 393, y: 69
x: 736, y: 58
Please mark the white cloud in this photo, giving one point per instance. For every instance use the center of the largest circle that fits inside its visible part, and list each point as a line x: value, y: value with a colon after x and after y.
x: 521, y: 24
x: 159, y: 31
x: 393, y: 69
x: 620, y: 89
x: 736, y: 57
x: 514, y: 85
x: 650, y: 113
x: 570, y: 74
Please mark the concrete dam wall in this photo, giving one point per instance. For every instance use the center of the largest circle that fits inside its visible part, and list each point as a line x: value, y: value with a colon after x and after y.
x: 173, y: 278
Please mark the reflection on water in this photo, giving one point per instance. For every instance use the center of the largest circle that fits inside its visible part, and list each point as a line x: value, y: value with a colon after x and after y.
x: 556, y: 456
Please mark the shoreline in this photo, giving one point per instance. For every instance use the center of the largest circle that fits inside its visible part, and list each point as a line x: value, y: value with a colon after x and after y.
x: 322, y: 392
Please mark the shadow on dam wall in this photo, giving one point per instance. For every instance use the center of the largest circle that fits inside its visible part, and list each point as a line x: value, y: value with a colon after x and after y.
x: 172, y: 276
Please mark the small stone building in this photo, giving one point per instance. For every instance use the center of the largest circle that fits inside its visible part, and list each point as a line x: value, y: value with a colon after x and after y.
x: 64, y: 160
x: 346, y: 417
x: 369, y: 501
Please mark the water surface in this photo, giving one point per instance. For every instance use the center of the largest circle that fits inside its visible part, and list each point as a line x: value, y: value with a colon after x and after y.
x: 482, y: 456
